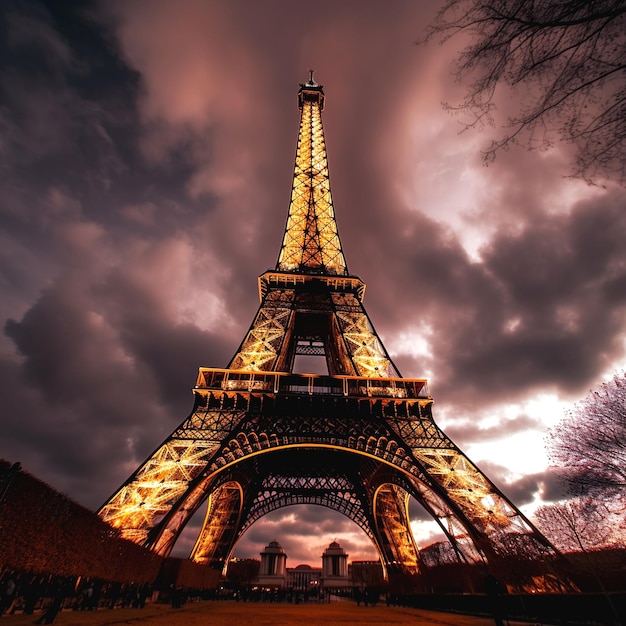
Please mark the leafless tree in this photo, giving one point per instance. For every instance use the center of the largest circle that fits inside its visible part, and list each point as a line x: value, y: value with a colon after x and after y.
x: 589, y: 444
x: 566, y: 61
x: 580, y: 524
x: 439, y: 553
x: 583, y: 525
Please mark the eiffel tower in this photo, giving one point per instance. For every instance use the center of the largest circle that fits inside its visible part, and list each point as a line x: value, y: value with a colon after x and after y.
x: 360, y: 440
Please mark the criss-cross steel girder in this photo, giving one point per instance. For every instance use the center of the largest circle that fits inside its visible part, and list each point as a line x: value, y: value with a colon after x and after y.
x: 361, y: 440
x: 311, y: 242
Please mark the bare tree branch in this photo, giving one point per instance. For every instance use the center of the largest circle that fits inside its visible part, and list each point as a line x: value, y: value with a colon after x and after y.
x: 590, y: 443
x: 568, y: 57
x: 579, y: 524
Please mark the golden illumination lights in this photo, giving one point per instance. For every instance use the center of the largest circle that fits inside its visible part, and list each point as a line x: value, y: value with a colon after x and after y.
x: 261, y: 346
x: 311, y: 241
x: 143, y: 501
x: 365, y: 437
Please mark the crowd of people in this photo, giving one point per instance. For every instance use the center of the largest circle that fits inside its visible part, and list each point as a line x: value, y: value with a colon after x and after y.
x: 45, y: 594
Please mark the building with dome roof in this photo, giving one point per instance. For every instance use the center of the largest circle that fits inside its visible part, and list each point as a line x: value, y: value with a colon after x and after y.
x: 303, y: 578
x: 334, y: 573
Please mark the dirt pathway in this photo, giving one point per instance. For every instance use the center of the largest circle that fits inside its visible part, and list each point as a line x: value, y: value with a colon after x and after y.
x: 253, y: 614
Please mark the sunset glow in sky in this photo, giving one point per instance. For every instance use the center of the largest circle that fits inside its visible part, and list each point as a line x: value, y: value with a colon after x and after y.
x: 146, y: 157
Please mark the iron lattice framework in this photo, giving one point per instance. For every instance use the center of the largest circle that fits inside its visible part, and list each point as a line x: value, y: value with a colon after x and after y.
x: 360, y: 440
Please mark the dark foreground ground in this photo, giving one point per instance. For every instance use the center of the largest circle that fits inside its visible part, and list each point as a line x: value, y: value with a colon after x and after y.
x: 253, y: 614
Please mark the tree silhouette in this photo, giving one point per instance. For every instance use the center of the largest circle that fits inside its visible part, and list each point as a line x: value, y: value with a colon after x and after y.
x: 589, y: 444
x: 566, y: 61
x: 578, y: 524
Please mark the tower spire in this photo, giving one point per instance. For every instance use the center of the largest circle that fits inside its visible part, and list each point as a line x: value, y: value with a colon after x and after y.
x: 311, y: 243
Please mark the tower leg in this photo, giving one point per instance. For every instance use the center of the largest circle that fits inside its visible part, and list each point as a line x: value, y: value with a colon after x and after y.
x: 390, y: 506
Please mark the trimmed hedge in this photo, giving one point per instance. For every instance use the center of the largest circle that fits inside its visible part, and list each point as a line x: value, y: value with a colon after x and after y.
x: 44, y: 532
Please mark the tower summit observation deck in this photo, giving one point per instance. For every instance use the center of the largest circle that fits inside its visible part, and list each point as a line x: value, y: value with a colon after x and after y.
x: 360, y: 439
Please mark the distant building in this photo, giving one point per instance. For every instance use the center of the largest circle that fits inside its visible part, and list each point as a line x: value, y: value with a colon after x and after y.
x: 335, y: 567
x: 335, y: 572
x: 273, y: 566
x: 303, y: 578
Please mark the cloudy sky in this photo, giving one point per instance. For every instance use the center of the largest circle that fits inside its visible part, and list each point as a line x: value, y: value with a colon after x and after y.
x: 146, y: 154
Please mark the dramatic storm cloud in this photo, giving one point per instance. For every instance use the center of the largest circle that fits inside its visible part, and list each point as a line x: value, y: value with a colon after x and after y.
x: 146, y: 155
